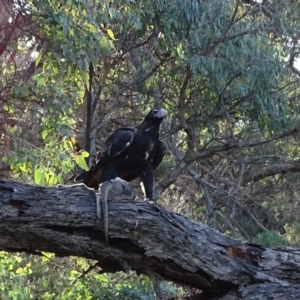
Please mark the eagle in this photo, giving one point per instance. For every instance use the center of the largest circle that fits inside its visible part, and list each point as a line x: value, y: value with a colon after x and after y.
x: 129, y: 153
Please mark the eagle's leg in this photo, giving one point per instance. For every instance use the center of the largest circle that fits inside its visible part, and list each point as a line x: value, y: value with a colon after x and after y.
x: 147, y: 183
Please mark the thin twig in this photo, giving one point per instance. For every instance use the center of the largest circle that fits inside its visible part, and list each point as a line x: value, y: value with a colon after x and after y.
x: 89, y: 269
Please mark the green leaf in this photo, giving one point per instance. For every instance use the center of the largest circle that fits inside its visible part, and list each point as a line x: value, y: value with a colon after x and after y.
x: 19, y: 270
x: 91, y: 28
x: 38, y: 59
x: 37, y: 176
x: 47, y: 176
x: 80, y: 161
x: 44, y: 134
x: 111, y: 34
x: 60, y: 179
x: 104, y: 47
x: 8, y: 108
x: 85, y: 154
x: 52, y: 180
x: 41, y: 82
x: 45, y: 283
x: 23, y: 167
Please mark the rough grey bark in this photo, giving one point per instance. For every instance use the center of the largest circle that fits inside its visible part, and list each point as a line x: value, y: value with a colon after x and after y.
x: 145, y: 238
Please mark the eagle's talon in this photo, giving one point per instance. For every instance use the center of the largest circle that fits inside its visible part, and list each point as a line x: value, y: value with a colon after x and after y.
x: 149, y: 201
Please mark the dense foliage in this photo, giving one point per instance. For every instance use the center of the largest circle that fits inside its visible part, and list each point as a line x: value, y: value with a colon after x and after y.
x: 73, y: 71
x: 31, y: 277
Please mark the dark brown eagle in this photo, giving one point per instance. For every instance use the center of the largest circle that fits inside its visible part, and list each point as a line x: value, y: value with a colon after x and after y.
x: 130, y: 152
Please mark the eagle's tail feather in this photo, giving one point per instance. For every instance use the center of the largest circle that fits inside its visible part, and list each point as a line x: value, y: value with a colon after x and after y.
x: 81, y: 176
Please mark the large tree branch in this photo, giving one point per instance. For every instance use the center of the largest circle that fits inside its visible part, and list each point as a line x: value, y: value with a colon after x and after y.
x: 271, y: 170
x: 143, y: 237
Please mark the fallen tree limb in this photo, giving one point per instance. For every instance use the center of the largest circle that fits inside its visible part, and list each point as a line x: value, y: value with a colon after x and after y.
x: 145, y: 238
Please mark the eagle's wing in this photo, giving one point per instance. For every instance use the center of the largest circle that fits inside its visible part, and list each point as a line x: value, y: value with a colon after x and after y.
x: 117, y: 142
x: 114, y: 145
x: 159, y: 154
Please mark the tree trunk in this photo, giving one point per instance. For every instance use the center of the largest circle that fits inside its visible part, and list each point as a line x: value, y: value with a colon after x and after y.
x: 145, y: 238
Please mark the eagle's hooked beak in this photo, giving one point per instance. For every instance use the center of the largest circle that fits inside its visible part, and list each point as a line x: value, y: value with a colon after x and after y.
x: 160, y: 112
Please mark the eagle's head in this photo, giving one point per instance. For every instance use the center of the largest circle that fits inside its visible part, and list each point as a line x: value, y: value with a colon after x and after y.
x: 156, y: 113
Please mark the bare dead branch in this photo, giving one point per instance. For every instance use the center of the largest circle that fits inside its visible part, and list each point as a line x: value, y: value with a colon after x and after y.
x: 211, y: 151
